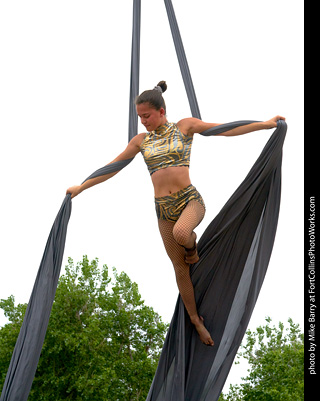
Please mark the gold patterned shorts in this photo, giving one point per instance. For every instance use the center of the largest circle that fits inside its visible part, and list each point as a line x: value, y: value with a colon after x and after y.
x: 171, y: 206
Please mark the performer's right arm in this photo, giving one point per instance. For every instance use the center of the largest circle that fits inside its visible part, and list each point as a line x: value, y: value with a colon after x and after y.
x: 131, y: 150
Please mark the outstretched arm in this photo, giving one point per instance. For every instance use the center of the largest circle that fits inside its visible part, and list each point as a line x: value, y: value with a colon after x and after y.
x: 129, y: 153
x: 191, y: 126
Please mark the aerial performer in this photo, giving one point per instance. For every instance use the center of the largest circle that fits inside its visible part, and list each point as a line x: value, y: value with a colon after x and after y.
x: 166, y: 149
x: 219, y: 275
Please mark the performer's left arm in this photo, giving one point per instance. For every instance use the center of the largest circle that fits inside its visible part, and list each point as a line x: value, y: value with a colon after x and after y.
x: 190, y: 126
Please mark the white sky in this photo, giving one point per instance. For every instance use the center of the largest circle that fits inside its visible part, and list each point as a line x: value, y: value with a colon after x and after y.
x: 64, y: 96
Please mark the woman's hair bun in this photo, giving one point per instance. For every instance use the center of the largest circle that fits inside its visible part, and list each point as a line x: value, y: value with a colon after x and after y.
x: 153, y: 96
x: 162, y: 85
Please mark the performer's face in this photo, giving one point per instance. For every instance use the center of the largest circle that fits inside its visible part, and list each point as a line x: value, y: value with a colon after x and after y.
x: 150, y: 117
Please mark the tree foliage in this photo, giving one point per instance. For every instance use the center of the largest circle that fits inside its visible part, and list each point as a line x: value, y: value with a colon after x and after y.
x: 102, y: 342
x: 276, y: 359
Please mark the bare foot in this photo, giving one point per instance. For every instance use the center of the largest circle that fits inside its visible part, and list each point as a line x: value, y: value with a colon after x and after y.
x: 204, y: 335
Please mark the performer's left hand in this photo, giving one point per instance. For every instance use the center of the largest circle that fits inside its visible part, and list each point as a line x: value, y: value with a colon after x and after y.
x: 272, y: 123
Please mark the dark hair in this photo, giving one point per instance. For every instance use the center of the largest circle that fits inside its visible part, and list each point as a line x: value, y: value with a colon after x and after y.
x: 153, y: 96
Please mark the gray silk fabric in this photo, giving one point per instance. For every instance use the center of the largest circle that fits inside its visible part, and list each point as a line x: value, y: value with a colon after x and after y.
x: 135, y: 68
x: 182, y: 59
x: 28, y: 347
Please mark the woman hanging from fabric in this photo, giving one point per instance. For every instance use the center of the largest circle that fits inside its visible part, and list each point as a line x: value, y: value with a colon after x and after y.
x: 166, y: 149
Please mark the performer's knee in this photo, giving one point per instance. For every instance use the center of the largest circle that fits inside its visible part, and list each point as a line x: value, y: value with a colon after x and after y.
x: 181, y: 235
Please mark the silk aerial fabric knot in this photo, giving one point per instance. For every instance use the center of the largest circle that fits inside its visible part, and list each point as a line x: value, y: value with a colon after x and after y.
x: 166, y: 147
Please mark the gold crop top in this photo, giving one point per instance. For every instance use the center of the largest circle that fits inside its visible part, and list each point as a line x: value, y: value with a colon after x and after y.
x: 165, y: 147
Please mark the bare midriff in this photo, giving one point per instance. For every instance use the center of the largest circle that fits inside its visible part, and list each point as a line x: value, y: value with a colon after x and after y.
x: 169, y: 180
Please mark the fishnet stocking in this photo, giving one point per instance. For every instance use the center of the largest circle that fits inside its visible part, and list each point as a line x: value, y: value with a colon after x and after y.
x: 176, y: 236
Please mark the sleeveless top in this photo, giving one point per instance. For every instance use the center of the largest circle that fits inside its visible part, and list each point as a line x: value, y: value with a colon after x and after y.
x: 165, y: 147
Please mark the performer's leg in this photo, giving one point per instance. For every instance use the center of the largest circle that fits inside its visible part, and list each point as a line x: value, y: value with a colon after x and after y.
x: 183, y: 230
x: 177, y: 255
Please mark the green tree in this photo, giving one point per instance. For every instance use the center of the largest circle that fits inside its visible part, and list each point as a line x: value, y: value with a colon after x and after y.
x: 276, y: 359
x: 102, y: 342
x: 9, y: 333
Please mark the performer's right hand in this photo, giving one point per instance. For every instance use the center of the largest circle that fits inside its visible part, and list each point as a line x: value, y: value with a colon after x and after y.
x: 74, y: 191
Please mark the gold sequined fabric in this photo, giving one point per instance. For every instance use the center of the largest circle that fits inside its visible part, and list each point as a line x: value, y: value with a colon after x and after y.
x: 165, y: 147
x: 171, y: 206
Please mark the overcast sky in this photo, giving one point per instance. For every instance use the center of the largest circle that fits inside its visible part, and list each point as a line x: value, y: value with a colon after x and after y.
x: 64, y: 97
